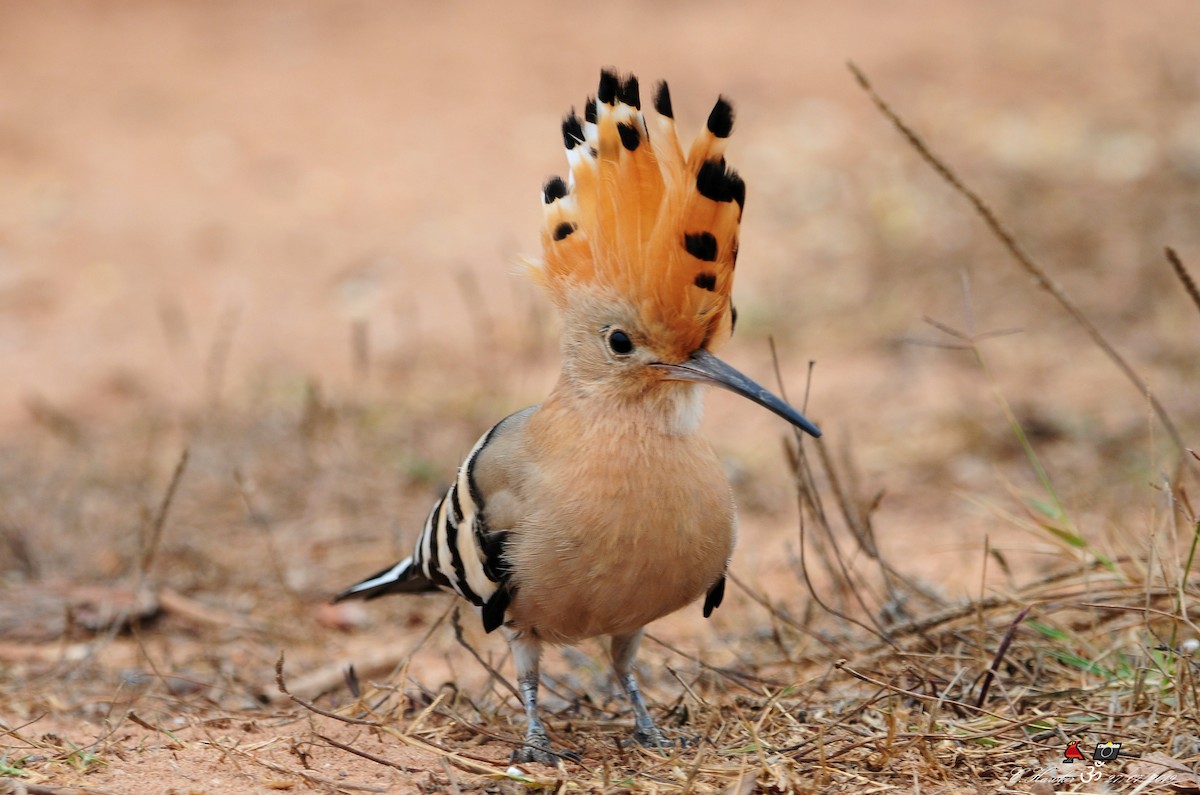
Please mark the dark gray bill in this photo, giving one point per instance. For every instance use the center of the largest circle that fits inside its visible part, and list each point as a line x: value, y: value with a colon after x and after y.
x: 702, y: 366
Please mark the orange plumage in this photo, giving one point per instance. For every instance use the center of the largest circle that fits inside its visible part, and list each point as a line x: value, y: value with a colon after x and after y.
x: 639, y: 222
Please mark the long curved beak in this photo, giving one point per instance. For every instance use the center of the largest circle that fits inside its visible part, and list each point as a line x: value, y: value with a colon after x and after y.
x: 702, y: 366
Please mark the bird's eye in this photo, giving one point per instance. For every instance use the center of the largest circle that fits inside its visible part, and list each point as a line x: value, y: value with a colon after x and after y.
x: 619, y: 343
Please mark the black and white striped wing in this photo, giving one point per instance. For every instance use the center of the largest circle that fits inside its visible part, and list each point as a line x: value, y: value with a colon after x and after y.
x: 456, y: 550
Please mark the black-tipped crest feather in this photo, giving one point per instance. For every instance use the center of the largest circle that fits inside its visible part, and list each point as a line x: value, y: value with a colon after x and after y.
x: 554, y: 190
x: 572, y: 131
x: 630, y: 94
x: 720, y: 120
x: 716, y: 182
x: 630, y: 137
x: 662, y: 100
x: 701, y: 245
x: 610, y: 84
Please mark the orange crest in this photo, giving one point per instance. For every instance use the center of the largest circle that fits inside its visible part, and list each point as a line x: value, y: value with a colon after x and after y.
x: 640, y: 219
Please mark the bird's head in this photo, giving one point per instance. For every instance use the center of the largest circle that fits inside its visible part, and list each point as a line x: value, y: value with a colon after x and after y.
x: 640, y: 244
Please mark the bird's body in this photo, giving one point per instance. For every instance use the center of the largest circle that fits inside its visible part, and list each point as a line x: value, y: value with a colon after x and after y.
x: 601, y: 554
x: 603, y: 509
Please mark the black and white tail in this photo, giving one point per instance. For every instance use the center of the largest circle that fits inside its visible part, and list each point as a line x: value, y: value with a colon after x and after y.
x: 403, y: 577
x: 456, y: 551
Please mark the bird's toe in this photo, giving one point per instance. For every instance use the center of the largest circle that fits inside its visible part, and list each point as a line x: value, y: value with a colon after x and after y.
x: 654, y: 739
x: 537, y: 749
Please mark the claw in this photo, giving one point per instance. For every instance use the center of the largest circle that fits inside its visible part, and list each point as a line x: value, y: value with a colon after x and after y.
x: 651, y: 737
x: 537, y: 749
x: 533, y: 753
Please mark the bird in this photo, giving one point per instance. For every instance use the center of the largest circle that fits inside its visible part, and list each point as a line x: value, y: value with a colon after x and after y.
x: 603, y: 508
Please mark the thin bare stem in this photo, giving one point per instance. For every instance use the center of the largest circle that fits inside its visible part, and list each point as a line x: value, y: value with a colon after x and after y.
x: 1000, y: 652
x: 1189, y: 284
x: 1023, y: 259
x: 279, y: 682
x: 160, y: 517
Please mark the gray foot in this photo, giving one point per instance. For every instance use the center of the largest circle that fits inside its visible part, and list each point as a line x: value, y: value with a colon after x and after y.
x: 650, y: 737
x: 537, y: 749
x: 533, y: 753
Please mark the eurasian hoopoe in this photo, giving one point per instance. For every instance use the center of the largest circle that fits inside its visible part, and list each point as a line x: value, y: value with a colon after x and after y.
x: 603, y: 509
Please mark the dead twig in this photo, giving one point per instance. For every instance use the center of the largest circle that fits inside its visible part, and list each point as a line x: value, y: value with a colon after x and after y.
x: 496, y: 675
x: 160, y: 517
x: 379, y: 760
x: 313, y: 707
x: 1189, y: 284
x: 842, y: 665
x: 1004, y: 644
x: 450, y: 777
x: 807, y: 494
x: 737, y: 677
x: 13, y: 786
x: 264, y: 525
x: 171, y: 601
x: 218, y: 352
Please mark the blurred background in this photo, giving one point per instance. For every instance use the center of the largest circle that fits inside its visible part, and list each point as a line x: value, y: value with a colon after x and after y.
x: 285, y: 236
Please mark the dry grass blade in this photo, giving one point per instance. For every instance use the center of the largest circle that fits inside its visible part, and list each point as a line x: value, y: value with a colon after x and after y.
x: 360, y: 350
x: 365, y: 755
x: 218, y: 352
x: 462, y: 641
x: 17, y: 548
x: 135, y: 718
x: 809, y: 497
x: 737, y: 677
x: 260, y: 521
x: 782, y: 616
x: 160, y: 517
x: 995, y: 666
x: 1022, y: 258
x: 279, y: 682
x: 449, y: 771
x: 12, y: 786
x: 1189, y: 284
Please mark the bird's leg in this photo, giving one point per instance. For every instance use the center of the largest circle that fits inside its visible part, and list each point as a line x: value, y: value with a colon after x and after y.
x: 526, y: 653
x: 624, y: 650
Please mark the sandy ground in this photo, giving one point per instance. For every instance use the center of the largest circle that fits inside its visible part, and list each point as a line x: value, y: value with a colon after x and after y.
x: 211, y: 214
